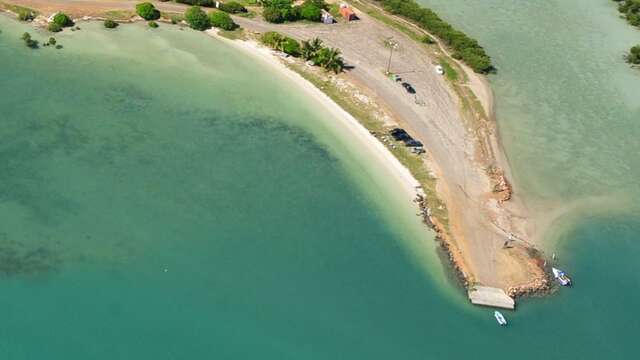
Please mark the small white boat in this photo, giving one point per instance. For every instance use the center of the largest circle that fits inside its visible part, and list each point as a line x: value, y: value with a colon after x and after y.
x: 501, y: 320
x: 562, y: 277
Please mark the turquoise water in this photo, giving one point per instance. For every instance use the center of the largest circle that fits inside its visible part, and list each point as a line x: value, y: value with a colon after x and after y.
x: 568, y: 108
x: 164, y: 196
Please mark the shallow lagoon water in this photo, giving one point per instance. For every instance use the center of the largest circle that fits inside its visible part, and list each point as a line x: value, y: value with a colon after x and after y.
x: 164, y: 196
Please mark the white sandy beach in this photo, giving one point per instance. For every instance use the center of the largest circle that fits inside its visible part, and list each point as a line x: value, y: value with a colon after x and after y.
x: 359, y: 134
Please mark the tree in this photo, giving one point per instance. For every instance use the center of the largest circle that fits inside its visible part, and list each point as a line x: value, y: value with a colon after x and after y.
x: 197, y: 19
x: 634, y: 55
x: 147, y: 11
x: 110, y: 24
x: 278, y: 11
x: 153, y: 24
x: 273, y: 15
x: 330, y: 60
x: 63, y: 20
x: 232, y: 7
x: 310, y: 49
x: 310, y: 11
x: 290, y: 46
x: 222, y: 20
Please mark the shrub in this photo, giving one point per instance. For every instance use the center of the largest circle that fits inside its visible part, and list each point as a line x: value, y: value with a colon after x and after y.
x: 110, y: 24
x: 273, y: 15
x: 291, y: 47
x: 147, y: 11
x: 63, y: 20
x: 278, y: 11
x: 26, y: 37
x: 153, y: 24
x: 232, y: 7
x: 272, y: 39
x: 197, y: 19
x: 634, y: 55
x: 26, y: 15
x: 52, y: 41
x: 222, y: 20
x: 631, y: 10
x: 310, y: 11
x: 54, y: 27
x: 280, y: 42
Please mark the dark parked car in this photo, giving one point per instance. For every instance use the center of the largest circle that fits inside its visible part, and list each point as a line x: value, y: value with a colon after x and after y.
x: 399, y: 134
x: 412, y: 143
x: 409, y: 88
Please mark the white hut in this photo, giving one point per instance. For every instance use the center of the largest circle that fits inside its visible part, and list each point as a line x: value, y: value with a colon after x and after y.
x: 326, y: 17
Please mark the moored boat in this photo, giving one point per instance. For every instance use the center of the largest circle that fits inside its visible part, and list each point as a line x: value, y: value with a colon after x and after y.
x: 561, y: 276
x: 500, y: 318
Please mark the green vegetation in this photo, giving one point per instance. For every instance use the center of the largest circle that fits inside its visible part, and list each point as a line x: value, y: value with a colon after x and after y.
x: 631, y: 10
x: 310, y: 11
x: 281, y: 43
x: 26, y: 15
x: 427, y: 40
x: 371, y: 120
x: 311, y: 50
x: 449, y: 71
x: 110, y: 24
x: 63, y: 20
x: 153, y: 24
x: 52, y: 41
x: 53, y: 27
x: 197, y: 18
x: 464, y: 48
x: 279, y: 11
x: 233, y: 7
x: 222, y: 20
x: 119, y: 14
x: 147, y: 11
x: 26, y: 37
x: 634, y: 55
x: 328, y: 58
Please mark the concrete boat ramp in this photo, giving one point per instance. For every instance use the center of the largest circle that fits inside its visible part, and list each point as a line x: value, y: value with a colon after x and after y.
x: 490, y: 296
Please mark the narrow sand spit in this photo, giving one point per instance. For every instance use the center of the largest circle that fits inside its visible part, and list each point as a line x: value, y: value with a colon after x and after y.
x: 483, y: 213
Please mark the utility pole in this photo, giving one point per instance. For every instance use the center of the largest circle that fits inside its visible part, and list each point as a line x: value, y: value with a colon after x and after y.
x: 392, y: 45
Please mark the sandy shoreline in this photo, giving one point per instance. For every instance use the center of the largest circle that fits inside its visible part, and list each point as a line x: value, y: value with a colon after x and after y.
x: 481, y: 211
x: 359, y: 133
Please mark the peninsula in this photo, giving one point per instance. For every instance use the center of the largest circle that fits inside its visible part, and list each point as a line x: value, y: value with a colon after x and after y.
x: 463, y: 182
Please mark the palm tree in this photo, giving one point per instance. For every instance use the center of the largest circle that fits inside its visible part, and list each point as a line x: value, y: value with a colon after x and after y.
x: 331, y: 60
x: 311, y: 48
x: 278, y: 43
x: 316, y: 44
x: 306, y: 50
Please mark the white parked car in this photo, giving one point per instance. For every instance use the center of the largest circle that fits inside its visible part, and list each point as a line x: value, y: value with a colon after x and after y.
x: 439, y: 70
